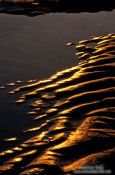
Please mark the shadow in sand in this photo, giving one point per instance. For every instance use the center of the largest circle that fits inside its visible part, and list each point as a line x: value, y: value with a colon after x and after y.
x: 34, y: 7
x: 74, y: 112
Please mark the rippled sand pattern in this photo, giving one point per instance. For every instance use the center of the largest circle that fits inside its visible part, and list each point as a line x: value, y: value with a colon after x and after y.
x: 74, y: 111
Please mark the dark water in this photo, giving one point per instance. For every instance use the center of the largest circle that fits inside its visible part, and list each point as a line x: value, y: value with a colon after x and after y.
x: 36, y: 48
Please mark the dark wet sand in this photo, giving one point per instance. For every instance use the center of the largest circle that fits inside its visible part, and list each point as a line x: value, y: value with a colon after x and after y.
x: 38, y: 7
x: 74, y: 113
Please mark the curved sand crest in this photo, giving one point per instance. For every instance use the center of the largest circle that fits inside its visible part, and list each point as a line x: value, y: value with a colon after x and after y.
x: 38, y: 7
x: 75, y: 112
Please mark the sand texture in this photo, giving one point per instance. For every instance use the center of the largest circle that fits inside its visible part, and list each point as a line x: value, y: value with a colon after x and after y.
x: 74, y: 112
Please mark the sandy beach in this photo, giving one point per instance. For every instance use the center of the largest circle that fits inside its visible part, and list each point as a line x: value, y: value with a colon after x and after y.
x: 35, y: 49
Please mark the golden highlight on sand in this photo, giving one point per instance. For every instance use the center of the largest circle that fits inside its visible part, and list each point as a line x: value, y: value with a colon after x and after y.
x: 74, y: 111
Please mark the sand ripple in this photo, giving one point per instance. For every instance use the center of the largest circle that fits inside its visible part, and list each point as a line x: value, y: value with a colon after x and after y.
x: 74, y: 110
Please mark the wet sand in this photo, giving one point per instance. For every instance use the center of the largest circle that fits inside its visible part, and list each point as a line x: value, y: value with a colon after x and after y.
x: 29, y: 42
x: 45, y: 140
x: 74, y: 113
x: 38, y: 7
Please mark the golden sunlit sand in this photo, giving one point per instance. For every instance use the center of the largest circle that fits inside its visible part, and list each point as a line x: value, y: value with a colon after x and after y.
x: 74, y: 110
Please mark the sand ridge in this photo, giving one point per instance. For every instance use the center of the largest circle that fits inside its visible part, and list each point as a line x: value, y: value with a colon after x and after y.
x: 74, y: 111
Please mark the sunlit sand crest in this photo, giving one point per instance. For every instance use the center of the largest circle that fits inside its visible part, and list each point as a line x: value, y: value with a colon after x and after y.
x: 75, y: 111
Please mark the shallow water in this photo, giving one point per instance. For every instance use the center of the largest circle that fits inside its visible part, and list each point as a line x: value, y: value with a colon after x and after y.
x: 36, y: 48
